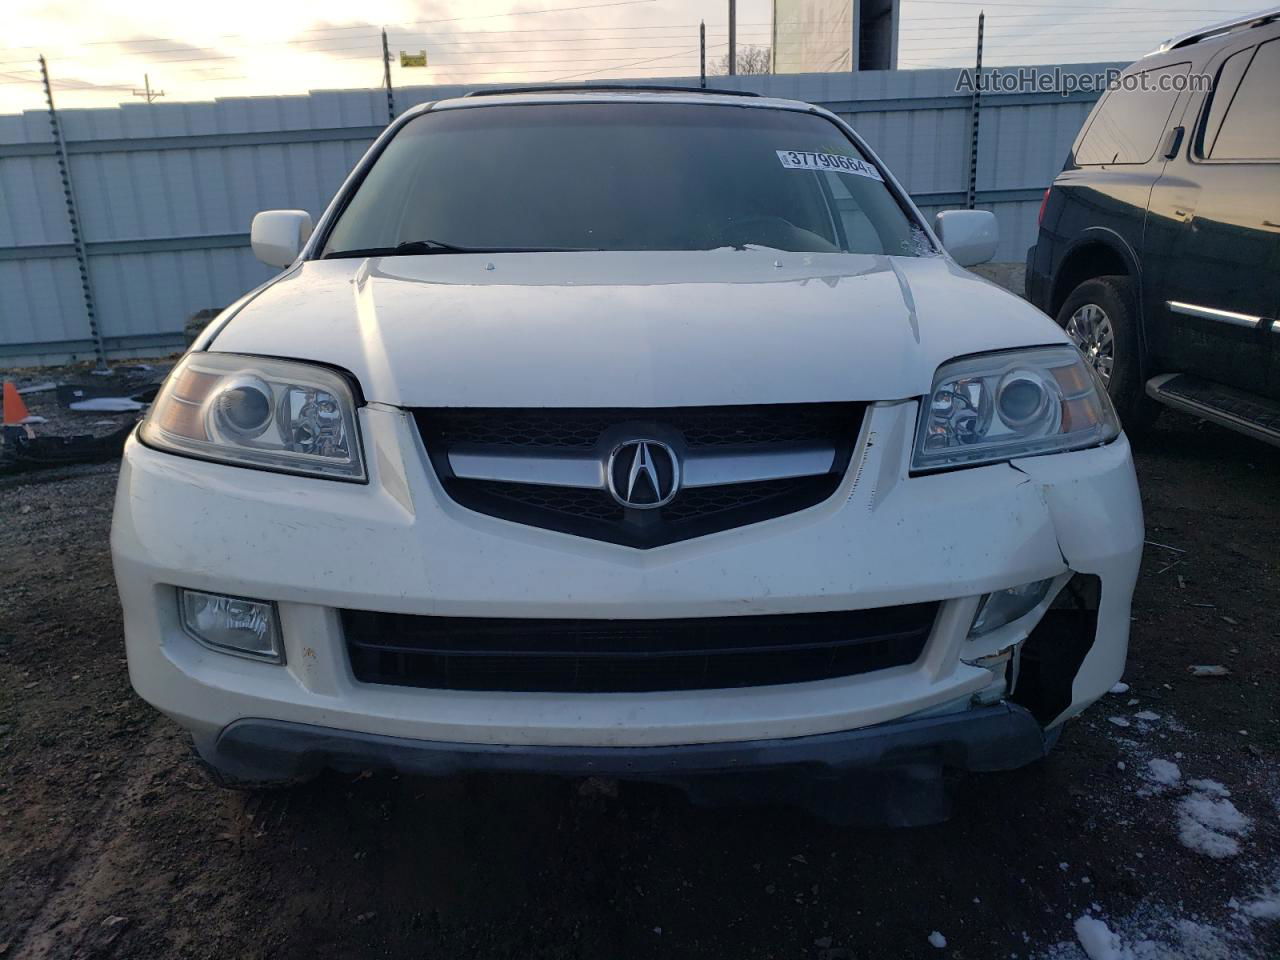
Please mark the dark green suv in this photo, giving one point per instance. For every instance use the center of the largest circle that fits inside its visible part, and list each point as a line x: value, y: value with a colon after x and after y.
x: 1159, y: 243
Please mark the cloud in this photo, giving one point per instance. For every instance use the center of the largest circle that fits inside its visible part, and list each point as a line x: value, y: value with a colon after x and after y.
x: 165, y: 49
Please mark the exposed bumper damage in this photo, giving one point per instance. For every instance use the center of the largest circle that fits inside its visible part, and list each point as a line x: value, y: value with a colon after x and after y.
x: 894, y: 769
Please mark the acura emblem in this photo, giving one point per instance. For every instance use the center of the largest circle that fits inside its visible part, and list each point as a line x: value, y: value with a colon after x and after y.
x: 643, y: 474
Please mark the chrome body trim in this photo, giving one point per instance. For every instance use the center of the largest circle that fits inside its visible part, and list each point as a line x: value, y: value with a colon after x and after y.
x: 719, y: 469
x: 588, y: 472
x: 1242, y: 21
x: 1212, y: 313
x: 486, y: 463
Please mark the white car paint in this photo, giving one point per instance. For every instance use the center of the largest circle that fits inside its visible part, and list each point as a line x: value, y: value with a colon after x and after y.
x: 276, y: 236
x: 400, y: 545
x: 606, y: 330
x: 634, y: 329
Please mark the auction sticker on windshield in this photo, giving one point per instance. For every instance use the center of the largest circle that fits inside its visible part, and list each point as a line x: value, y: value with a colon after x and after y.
x: 833, y: 162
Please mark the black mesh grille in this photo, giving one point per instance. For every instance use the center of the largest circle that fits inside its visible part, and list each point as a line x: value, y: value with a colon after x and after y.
x: 578, y: 429
x: 614, y: 656
x: 711, y: 501
x: 694, y: 512
x: 590, y: 504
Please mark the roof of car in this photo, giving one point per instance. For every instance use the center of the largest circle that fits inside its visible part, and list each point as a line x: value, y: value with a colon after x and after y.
x: 1216, y: 30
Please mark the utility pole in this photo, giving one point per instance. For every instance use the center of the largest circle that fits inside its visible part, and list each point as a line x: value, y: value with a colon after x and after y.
x: 971, y: 196
x: 702, y: 50
x: 146, y: 91
x: 733, y: 37
x: 386, y: 77
x: 73, y: 219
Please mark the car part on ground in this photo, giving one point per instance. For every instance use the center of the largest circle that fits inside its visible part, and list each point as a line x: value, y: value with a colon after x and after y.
x: 20, y: 452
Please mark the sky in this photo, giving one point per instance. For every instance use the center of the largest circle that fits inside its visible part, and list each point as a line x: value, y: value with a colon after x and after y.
x: 100, y: 52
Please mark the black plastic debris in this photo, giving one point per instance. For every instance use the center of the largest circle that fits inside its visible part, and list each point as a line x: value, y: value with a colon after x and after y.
x: 20, y: 451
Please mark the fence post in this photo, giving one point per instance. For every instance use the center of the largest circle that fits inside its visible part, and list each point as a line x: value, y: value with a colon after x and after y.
x: 971, y: 196
x: 73, y: 218
x: 733, y: 37
x: 702, y: 51
x: 386, y: 76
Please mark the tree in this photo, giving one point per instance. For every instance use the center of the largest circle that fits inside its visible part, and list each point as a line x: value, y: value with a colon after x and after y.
x: 751, y: 60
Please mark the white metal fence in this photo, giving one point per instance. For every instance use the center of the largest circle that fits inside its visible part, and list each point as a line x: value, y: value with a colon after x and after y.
x: 166, y: 191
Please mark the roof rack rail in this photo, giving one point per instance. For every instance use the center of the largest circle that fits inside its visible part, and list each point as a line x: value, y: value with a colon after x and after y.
x: 612, y: 87
x: 1234, y: 25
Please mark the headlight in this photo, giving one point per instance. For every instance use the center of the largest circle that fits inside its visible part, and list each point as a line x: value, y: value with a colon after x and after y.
x: 254, y: 412
x: 1016, y: 403
x: 1005, y: 606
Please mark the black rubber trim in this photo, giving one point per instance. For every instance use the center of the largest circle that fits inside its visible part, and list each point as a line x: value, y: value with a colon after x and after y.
x: 984, y: 739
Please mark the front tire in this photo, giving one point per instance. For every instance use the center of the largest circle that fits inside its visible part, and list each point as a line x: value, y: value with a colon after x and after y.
x: 1101, y: 318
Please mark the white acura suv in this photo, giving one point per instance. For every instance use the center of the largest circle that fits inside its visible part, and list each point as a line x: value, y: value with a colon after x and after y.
x: 633, y: 432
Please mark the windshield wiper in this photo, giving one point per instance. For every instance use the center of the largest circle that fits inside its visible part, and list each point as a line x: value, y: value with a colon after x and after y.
x: 418, y: 247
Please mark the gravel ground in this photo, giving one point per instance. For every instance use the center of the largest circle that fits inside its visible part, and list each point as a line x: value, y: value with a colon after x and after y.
x: 48, y: 391
x: 113, y: 846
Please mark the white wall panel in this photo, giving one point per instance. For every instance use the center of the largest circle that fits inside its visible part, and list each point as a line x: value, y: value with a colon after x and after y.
x: 166, y: 217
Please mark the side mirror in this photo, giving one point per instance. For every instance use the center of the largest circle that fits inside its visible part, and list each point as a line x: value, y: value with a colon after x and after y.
x: 970, y: 236
x: 278, y: 236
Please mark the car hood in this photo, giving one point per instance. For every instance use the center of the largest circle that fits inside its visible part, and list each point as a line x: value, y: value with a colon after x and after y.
x: 633, y: 329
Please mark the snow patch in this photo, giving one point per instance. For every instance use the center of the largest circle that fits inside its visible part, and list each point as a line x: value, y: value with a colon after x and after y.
x: 1200, y: 839
x: 1210, y: 826
x: 1163, y: 772
x: 1118, y: 721
x: 937, y: 940
x: 1208, y: 670
x: 1211, y: 787
x: 1155, y: 932
x: 1098, y: 941
x: 1146, y: 715
x: 1220, y: 815
x: 1264, y: 907
x: 1120, y: 688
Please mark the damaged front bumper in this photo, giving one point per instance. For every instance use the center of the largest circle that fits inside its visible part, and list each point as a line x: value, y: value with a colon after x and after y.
x: 399, y: 545
x: 890, y: 774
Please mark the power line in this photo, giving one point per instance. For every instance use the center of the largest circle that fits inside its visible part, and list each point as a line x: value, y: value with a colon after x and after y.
x: 1025, y: 10
x: 1127, y: 24
x: 366, y: 26
x: 215, y: 54
x: 591, y: 73
x: 1075, y: 8
x: 371, y: 48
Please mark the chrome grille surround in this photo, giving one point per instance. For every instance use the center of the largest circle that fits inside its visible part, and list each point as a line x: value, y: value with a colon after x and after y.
x: 548, y: 467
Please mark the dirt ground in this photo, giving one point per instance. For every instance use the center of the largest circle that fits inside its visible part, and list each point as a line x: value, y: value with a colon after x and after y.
x: 112, y: 845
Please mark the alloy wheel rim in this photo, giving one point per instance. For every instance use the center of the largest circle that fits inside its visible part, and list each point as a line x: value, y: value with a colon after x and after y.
x: 1090, y: 329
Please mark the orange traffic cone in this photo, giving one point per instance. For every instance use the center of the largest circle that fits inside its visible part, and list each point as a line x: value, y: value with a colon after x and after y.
x: 15, y: 411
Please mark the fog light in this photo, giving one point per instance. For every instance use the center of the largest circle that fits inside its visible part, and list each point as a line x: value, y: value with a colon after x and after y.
x: 245, y: 628
x: 1006, y: 606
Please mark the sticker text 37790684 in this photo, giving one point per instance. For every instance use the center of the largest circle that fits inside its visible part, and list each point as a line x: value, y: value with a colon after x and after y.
x: 830, y: 162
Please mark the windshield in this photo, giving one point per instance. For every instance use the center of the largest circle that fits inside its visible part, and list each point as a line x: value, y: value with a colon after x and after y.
x: 622, y: 176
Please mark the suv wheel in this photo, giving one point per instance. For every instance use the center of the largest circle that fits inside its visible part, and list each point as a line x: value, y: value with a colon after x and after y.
x: 1100, y: 318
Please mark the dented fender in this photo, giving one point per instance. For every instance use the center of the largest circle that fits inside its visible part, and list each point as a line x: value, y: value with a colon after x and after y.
x: 1100, y: 531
